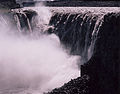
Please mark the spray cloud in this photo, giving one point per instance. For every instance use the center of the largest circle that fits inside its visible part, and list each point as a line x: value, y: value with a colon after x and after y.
x: 34, y: 63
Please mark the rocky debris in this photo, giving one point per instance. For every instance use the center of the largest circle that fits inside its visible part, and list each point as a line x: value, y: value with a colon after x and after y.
x: 76, y: 86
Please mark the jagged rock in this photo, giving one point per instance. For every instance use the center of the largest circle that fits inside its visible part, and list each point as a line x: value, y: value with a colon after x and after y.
x: 76, y: 86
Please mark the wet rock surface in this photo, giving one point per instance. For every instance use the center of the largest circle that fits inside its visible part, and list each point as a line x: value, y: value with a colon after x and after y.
x: 103, y: 66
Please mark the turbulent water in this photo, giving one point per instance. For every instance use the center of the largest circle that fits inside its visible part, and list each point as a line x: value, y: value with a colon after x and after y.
x: 32, y: 61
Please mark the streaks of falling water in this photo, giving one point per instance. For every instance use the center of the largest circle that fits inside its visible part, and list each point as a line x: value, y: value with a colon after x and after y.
x: 94, y: 36
x: 78, y: 32
x: 22, y: 21
x: 31, y: 75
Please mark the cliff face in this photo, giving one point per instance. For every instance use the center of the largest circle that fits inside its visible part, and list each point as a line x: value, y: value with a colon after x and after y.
x: 96, y: 38
x: 75, y: 32
x: 83, y: 31
x: 103, y: 67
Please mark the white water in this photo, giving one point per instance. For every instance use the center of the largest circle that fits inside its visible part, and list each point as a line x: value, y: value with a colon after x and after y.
x: 33, y: 65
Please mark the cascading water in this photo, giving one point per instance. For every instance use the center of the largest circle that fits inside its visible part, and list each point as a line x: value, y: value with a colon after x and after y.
x: 92, y: 33
x: 78, y: 28
x: 30, y: 61
x: 78, y: 31
x: 36, y: 60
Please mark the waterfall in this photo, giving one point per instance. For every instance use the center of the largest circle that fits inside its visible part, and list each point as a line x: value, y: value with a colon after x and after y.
x: 32, y: 61
x: 22, y: 21
x: 49, y: 47
x: 77, y: 32
x: 94, y: 35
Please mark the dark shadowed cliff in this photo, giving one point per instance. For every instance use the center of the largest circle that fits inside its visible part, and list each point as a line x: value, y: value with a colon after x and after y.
x: 83, y: 31
x: 93, y: 34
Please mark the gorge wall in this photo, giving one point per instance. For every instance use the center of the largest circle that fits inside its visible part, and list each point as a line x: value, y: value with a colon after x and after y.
x: 103, y: 67
x: 96, y: 38
x: 93, y: 34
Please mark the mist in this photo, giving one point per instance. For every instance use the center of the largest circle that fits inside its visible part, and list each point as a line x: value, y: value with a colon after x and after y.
x: 34, y: 63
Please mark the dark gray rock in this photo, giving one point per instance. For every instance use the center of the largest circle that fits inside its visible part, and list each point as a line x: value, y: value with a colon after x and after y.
x: 79, y: 85
x: 103, y: 68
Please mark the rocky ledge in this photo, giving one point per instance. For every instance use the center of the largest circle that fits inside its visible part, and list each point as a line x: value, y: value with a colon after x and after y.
x: 76, y: 86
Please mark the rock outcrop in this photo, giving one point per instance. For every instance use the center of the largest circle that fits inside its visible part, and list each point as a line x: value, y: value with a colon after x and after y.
x: 76, y: 86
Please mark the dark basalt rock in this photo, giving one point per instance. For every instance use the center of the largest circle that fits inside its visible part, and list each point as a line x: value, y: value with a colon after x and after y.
x: 76, y: 86
x: 103, y: 67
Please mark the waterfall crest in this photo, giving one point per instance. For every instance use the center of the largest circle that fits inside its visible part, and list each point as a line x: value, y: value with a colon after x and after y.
x: 77, y: 32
